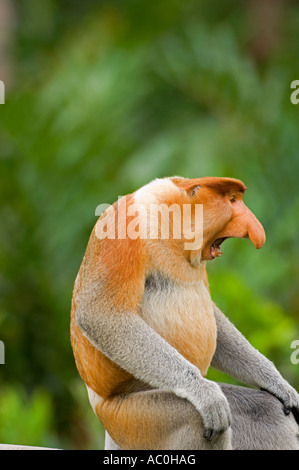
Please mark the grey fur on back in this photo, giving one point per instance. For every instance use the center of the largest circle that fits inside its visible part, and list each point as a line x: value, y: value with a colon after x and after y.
x: 258, y: 422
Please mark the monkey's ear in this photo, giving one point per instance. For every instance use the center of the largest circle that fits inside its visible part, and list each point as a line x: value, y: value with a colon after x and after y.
x: 192, y: 191
x: 224, y: 185
x: 189, y: 185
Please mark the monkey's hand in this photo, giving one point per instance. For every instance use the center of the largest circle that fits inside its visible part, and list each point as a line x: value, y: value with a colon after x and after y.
x: 285, y: 393
x: 213, y: 407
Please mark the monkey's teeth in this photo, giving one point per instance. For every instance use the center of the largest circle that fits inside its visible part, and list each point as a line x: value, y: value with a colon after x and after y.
x: 215, y: 248
x: 215, y: 252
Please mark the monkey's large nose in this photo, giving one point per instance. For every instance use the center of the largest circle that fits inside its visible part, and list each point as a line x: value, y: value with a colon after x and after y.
x: 256, y: 231
x: 244, y: 224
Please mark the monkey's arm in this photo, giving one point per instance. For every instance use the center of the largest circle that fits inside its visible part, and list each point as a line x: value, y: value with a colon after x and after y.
x: 132, y: 344
x: 235, y: 356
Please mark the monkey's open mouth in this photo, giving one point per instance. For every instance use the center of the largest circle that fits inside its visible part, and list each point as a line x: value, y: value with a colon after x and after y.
x: 215, y: 247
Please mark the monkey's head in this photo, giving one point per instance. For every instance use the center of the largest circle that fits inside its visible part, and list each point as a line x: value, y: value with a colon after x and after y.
x: 224, y: 213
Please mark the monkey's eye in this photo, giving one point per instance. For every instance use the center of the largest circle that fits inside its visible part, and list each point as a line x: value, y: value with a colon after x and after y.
x: 233, y: 199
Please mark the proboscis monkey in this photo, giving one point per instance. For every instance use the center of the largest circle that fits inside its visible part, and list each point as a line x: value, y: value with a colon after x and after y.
x: 145, y: 330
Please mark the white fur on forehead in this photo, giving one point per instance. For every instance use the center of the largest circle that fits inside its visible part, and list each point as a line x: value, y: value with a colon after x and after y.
x: 156, y: 190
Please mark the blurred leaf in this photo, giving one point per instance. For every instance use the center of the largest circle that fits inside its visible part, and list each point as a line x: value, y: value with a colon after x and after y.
x: 25, y: 420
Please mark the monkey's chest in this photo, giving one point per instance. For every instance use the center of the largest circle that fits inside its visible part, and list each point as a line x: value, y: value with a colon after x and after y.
x: 184, y: 316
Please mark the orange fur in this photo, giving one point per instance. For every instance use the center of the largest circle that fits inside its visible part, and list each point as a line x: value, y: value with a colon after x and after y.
x: 137, y: 421
x: 119, y: 266
x: 96, y: 370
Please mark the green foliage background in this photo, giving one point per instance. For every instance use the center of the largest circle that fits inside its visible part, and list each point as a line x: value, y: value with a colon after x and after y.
x: 106, y: 96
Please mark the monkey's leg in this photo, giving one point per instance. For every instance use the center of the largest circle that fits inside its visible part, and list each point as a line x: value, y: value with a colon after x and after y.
x: 258, y: 420
x: 160, y: 420
x: 155, y: 420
